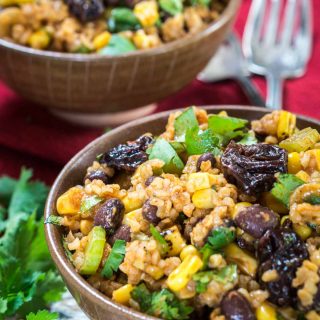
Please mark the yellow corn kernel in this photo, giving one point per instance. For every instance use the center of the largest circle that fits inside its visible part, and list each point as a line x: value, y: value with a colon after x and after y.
x: 303, y: 231
x: 155, y: 272
x: 314, y: 158
x: 242, y: 259
x: 101, y: 40
x: 133, y: 219
x: 205, y: 198
x: 187, y: 292
x: 86, y: 226
x: 70, y: 201
x: 286, y: 125
x: 303, y: 176
x: 294, y: 164
x: 39, y: 40
x: 238, y: 207
x: 147, y: 13
x: 283, y: 219
x: 123, y: 294
x: 198, y: 181
x: 131, y: 203
x: 268, y: 200
x: 174, y: 236
x: 266, y: 312
x: 180, y: 277
x: 223, y: 114
x: 189, y: 250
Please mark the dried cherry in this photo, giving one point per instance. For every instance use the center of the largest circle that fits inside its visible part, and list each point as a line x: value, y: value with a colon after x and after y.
x: 86, y: 10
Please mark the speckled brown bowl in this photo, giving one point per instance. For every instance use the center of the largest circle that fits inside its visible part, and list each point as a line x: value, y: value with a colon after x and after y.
x: 94, y: 83
x: 93, y: 303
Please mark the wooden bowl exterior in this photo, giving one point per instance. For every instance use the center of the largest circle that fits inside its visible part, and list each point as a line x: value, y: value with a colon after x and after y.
x: 100, y: 84
x: 93, y: 303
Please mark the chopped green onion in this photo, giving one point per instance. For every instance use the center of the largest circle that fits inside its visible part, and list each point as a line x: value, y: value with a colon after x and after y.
x: 160, y: 239
x: 187, y: 119
x: 285, y: 185
x: 114, y: 259
x: 89, y: 202
x: 94, y: 251
x: 52, y: 219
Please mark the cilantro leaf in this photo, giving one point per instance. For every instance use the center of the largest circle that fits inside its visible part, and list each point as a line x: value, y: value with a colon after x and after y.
x: 162, y: 150
x: 249, y: 138
x: 160, y: 239
x: 228, y: 274
x: 220, y: 237
x: 89, y: 202
x: 227, y: 128
x: 7, y: 186
x: 114, y: 259
x: 43, y: 315
x: 198, y: 142
x: 187, y: 119
x: 171, y: 6
x: 163, y: 304
x: 207, y: 251
x: 285, y: 185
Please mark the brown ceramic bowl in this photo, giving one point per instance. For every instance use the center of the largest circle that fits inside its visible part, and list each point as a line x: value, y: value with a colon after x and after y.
x: 93, y: 303
x: 102, y: 84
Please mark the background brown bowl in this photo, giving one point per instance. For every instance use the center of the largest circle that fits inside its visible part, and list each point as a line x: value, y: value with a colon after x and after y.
x: 93, y: 303
x: 94, y: 83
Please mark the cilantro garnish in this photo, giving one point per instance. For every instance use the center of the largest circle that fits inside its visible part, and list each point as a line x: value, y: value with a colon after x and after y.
x: 28, y: 278
x: 163, y: 304
x: 160, y: 239
x: 114, y: 259
x: 43, y: 315
x: 285, y: 185
x: 187, y: 119
x: 249, y: 138
x: 89, y: 202
x: 220, y: 237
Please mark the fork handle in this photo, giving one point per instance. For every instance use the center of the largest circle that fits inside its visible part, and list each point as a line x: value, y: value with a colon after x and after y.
x: 275, y: 90
x: 251, y: 91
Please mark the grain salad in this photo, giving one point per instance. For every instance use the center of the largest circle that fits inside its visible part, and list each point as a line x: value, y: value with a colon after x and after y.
x: 216, y: 218
x: 108, y: 27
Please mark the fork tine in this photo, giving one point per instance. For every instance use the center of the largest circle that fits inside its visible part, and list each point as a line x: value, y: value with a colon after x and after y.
x: 273, y: 22
x: 288, y: 26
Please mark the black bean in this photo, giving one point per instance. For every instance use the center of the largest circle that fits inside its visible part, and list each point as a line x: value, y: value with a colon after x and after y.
x: 149, y: 212
x: 110, y: 215
x: 98, y: 175
x: 122, y: 233
x: 256, y: 220
x: 86, y: 10
x: 206, y: 157
x: 235, y: 306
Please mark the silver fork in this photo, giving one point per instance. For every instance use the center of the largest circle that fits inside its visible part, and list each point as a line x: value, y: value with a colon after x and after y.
x: 275, y: 52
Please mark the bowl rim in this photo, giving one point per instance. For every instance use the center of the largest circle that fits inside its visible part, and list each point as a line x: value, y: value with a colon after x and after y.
x: 226, y: 15
x: 61, y: 262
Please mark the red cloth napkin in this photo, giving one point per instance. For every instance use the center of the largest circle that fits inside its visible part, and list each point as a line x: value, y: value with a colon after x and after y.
x: 31, y: 136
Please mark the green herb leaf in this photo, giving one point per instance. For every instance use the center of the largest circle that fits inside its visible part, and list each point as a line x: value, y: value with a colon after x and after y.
x: 122, y: 19
x: 89, y: 202
x: 198, y: 142
x: 53, y: 219
x: 160, y: 239
x: 162, y: 150
x: 227, y: 128
x: 249, y: 138
x: 285, y: 185
x: 114, y: 259
x: 43, y: 315
x: 179, y: 147
x: 313, y: 199
x: 225, y: 275
x: 171, y: 6
x: 220, y: 237
x: 7, y: 186
x: 187, y: 119
x: 206, y: 252
x: 118, y: 45
x: 163, y: 304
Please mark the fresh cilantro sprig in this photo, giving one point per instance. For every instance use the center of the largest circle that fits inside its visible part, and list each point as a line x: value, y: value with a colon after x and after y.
x: 43, y: 315
x: 163, y: 304
x: 114, y: 259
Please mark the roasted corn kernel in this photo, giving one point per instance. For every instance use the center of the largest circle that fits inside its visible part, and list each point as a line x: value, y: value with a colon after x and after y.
x: 86, y: 226
x: 238, y: 207
x: 198, y: 181
x: 131, y: 203
x: 294, y: 163
x: 123, y: 294
x: 180, y: 277
x: 314, y: 162
x: 39, y: 39
x: 155, y: 272
x: 147, y: 12
x: 205, y: 198
x: 6, y: 3
x: 244, y: 261
x: 303, y: 176
x: 70, y: 201
x: 303, y: 231
x: 189, y: 250
x: 174, y: 236
x: 286, y: 125
x: 133, y: 219
x: 101, y: 40
x: 266, y: 312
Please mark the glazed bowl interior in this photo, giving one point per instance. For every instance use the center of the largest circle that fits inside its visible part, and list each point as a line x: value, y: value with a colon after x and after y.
x: 93, y: 303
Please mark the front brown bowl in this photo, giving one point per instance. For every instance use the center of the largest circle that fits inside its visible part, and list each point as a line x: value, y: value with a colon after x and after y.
x: 94, y: 83
x: 93, y: 303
